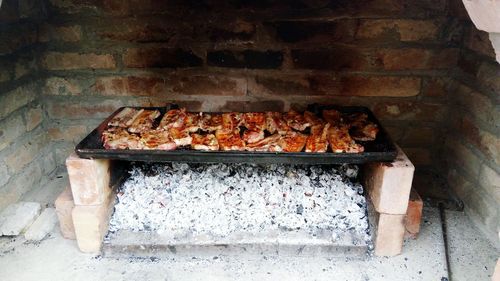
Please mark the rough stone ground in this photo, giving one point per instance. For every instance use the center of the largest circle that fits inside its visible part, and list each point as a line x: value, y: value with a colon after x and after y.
x: 54, y: 258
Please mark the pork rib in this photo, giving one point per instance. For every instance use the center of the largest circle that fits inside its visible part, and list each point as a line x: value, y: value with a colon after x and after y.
x: 340, y: 140
x: 317, y: 141
x: 204, y: 142
x: 229, y: 140
x: 144, y: 121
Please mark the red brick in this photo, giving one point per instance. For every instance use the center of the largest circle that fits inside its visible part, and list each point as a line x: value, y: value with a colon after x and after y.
x: 435, y: 87
x: 417, y: 111
x: 389, y: 184
x: 417, y: 59
x: 136, y: 7
x: 479, y: 105
x: 26, y: 153
x: 64, y: 206
x: 70, y: 33
x: 389, y: 235
x: 314, y: 31
x: 419, y: 136
x: 285, y: 85
x: 414, y: 214
x: 72, y: 133
x: 62, y: 86
x: 339, y: 58
x: 142, y: 30
x: 404, y: 30
x: 91, y: 224
x: 129, y: 86
x: 160, y: 57
x: 207, y: 85
x: 496, y: 271
x: 381, y: 86
x: 89, y: 179
x: 248, y: 106
x: 17, y: 98
x: 233, y: 31
x: 486, y: 142
x: 70, y: 61
x: 460, y: 155
x: 78, y: 110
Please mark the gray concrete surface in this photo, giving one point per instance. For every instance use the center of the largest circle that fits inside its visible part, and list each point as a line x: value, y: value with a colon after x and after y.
x: 58, y: 259
x: 471, y: 255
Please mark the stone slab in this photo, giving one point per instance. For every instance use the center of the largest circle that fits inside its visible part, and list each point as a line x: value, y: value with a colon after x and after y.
x: 42, y: 226
x: 17, y: 217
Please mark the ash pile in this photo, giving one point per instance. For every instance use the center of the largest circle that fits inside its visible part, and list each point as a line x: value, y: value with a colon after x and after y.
x: 216, y: 202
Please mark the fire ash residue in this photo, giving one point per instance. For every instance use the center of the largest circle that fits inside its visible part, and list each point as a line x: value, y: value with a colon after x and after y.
x: 220, y: 199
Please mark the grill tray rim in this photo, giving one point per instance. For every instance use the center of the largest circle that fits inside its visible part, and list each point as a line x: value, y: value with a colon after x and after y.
x: 380, y: 150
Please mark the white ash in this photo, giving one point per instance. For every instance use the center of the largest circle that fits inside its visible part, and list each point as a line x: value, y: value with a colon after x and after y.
x: 218, y: 200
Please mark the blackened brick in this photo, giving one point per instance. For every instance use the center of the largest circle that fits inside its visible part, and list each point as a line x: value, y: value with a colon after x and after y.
x: 246, y: 59
x: 247, y: 106
x: 314, y: 31
x: 331, y: 59
x: 160, y: 57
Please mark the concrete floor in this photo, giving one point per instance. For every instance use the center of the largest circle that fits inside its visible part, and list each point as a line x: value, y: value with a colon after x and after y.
x: 471, y: 258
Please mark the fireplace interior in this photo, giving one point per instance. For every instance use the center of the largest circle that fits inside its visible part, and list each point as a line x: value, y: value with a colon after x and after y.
x: 428, y: 70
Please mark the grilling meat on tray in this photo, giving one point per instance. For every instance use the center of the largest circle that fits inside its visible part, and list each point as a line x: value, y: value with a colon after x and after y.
x: 253, y: 131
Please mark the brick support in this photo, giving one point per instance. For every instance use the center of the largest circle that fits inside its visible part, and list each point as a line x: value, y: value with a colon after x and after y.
x: 389, y: 235
x: 389, y: 184
x: 91, y: 224
x: 64, y: 207
x: 414, y: 214
x: 89, y: 179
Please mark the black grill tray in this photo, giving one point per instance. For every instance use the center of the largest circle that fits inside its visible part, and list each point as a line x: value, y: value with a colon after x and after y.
x: 381, y: 149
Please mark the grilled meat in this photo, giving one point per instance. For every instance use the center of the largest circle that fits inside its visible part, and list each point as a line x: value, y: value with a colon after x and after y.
x: 157, y: 139
x: 292, y: 142
x: 174, y: 118
x: 361, y: 128
x: 267, y: 144
x: 254, y: 121
x: 180, y: 136
x: 204, y: 142
x: 253, y: 136
x: 231, y: 121
x: 317, y: 141
x: 296, y: 120
x: 229, y: 140
x: 125, y: 117
x: 144, y: 121
x: 275, y: 123
x: 192, y: 122
x: 211, y: 122
x: 313, y: 119
x: 332, y: 116
x: 119, y: 138
x: 341, y: 141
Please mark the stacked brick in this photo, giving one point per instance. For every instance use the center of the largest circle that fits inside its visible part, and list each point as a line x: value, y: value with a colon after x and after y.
x: 472, y: 145
x: 25, y: 156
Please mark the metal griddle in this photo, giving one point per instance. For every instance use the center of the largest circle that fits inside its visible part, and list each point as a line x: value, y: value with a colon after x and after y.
x: 381, y: 149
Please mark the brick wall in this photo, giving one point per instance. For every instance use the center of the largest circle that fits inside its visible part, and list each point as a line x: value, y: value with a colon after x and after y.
x: 25, y: 156
x: 473, y: 141
x: 392, y: 56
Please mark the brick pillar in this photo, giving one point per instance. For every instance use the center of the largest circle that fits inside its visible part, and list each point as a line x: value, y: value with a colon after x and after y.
x: 388, y: 185
x: 93, y: 199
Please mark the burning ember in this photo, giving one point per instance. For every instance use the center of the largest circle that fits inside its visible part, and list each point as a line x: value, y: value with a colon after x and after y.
x: 217, y: 200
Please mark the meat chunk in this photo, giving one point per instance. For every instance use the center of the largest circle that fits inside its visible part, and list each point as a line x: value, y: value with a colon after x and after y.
x: 252, y: 136
x: 120, y: 138
x: 361, y: 128
x: 229, y: 140
x: 174, y: 118
x: 332, y: 116
x: 157, y: 139
x: 180, y: 136
x: 204, y: 142
x: 254, y: 121
x: 296, y: 120
x: 231, y: 121
x: 192, y: 122
x: 144, y: 121
x: 317, y: 141
x: 267, y: 144
x: 211, y: 122
x: 341, y: 141
x: 125, y: 117
x: 313, y: 119
x: 292, y: 142
x: 276, y: 124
